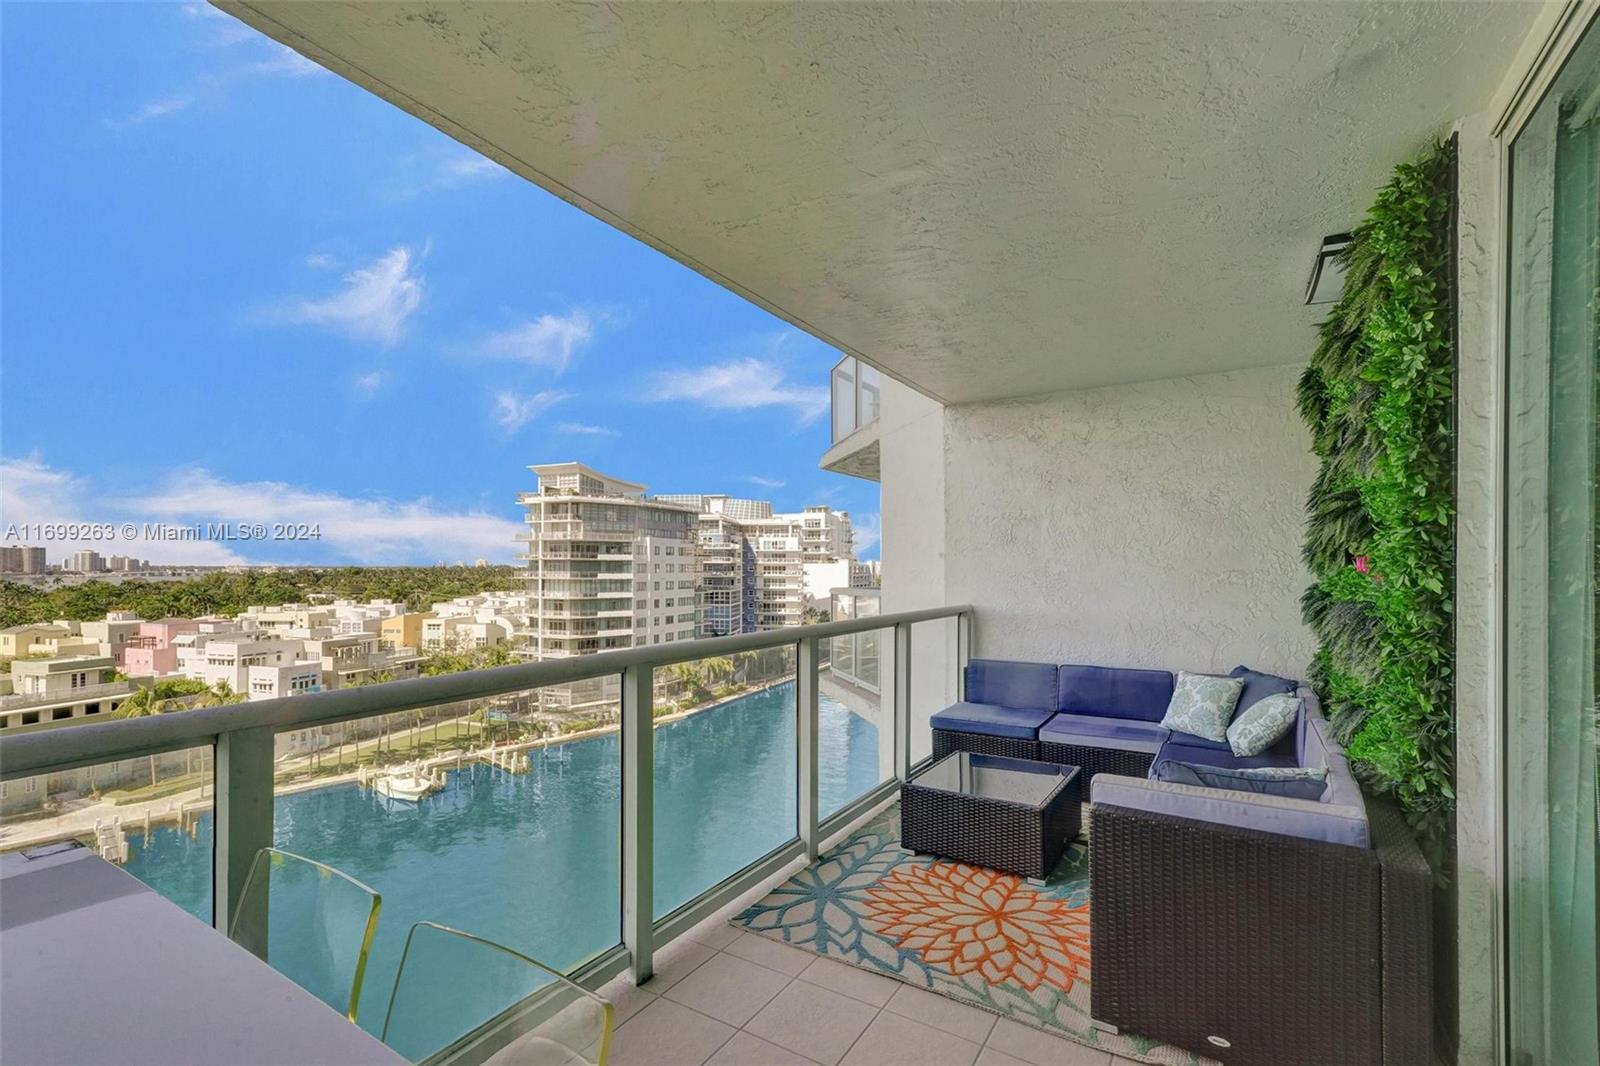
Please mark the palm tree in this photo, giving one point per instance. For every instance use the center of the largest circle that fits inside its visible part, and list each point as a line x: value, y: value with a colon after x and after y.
x: 144, y: 704
x: 220, y: 694
x: 717, y: 668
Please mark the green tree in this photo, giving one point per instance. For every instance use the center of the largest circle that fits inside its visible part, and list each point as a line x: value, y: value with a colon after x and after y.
x: 145, y: 703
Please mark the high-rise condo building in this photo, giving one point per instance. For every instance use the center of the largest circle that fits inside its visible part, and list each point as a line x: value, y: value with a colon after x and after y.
x: 86, y: 561
x: 756, y: 565
x: 608, y: 567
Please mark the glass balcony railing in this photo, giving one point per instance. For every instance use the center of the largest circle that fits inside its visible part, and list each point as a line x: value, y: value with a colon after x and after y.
x: 856, y: 388
x: 583, y: 810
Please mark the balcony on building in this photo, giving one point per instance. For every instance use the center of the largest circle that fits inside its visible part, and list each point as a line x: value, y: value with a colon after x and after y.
x: 854, y: 391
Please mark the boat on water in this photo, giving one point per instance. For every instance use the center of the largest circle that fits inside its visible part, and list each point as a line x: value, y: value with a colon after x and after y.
x: 408, y: 783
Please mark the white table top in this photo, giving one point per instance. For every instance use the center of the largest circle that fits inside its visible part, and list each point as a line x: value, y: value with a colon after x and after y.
x: 96, y: 968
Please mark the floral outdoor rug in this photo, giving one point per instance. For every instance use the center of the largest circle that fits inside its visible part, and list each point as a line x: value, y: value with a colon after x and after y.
x: 981, y: 937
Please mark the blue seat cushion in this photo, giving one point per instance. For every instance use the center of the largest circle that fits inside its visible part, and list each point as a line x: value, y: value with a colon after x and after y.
x: 992, y: 721
x: 1185, y: 748
x: 1113, y: 692
x: 1087, y: 731
x: 1011, y: 684
x: 1258, y: 686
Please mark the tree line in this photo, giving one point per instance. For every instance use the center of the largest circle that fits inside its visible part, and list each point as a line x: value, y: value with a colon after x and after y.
x: 230, y: 592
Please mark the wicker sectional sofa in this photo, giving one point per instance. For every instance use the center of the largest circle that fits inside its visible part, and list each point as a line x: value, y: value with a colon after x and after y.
x: 1246, y: 927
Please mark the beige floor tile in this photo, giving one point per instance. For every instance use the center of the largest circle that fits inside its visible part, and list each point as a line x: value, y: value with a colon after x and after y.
x: 873, y: 988
x: 675, y: 962
x: 716, y: 932
x: 748, y: 1050
x: 626, y: 998
x: 1041, y: 1049
x: 942, y: 1012
x: 771, y: 954
x: 990, y: 1057
x: 894, y: 1040
x: 668, y: 1034
x: 812, y: 1021
x: 728, y: 989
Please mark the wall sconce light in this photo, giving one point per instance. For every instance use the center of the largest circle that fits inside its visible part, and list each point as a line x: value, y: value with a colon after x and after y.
x: 1327, y: 273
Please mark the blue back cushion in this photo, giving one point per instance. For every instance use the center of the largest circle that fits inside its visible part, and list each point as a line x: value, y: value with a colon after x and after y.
x: 1011, y: 684
x: 1112, y: 692
x: 1258, y: 686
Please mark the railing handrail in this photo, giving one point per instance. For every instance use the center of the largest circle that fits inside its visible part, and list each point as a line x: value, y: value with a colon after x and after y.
x: 56, y: 750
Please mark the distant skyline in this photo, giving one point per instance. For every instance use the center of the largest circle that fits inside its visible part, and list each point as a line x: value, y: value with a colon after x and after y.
x: 237, y: 288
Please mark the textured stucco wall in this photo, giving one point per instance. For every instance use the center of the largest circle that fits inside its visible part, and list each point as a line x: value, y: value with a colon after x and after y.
x: 911, y: 435
x: 1156, y: 524
x: 911, y: 439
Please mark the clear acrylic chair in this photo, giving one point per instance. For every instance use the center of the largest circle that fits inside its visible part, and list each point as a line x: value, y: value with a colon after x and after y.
x: 310, y: 922
x: 451, y: 983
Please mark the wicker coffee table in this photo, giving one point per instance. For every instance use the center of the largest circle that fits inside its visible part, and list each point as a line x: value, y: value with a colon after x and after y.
x: 1015, y: 815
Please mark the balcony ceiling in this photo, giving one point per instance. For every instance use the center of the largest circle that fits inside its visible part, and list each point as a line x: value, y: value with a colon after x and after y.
x: 985, y: 201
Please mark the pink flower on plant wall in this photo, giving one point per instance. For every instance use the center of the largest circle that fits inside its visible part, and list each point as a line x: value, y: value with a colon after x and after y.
x: 1363, y: 564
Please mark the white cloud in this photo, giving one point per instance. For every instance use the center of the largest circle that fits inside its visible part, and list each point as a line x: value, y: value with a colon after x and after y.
x: 868, y: 529
x: 33, y: 492
x: 764, y: 482
x: 280, y: 62
x: 222, y: 28
x: 584, y: 430
x: 740, y: 385
x: 513, y: 410
x: 367, y: 385
x: 353, y: 529
x: 435, y: 170
x: 153, y: 110
x: 373, y: 305
x: 321, y: 261
x: 212, y: 87
x: 463, y: 168
x: 547, y: 341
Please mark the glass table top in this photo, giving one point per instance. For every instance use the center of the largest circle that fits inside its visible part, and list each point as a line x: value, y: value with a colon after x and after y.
x: 995, y: 777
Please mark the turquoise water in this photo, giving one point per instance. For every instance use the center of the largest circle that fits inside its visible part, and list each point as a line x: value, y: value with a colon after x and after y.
x: 533, y: 860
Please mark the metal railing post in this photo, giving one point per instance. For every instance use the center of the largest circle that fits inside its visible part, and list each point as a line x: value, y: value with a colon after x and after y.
x: 806, y: 705
x: 902, y: 700
x: 638, y: 820
x: 242, y: 827
x: 963, y: 651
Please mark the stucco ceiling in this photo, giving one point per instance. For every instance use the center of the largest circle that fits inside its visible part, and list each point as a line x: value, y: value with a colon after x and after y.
x: 985, y: 200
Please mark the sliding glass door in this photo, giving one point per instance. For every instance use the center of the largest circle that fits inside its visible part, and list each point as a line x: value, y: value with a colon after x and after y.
x: 1554, y: 348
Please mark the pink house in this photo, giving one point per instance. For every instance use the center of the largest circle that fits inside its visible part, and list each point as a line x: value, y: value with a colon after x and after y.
x: 150, y: 653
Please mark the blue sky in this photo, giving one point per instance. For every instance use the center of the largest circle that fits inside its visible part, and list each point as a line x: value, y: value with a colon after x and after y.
x: 238, y: 288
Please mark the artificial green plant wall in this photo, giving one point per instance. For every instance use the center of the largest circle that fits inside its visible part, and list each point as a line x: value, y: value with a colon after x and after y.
x: 1378, y: 397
